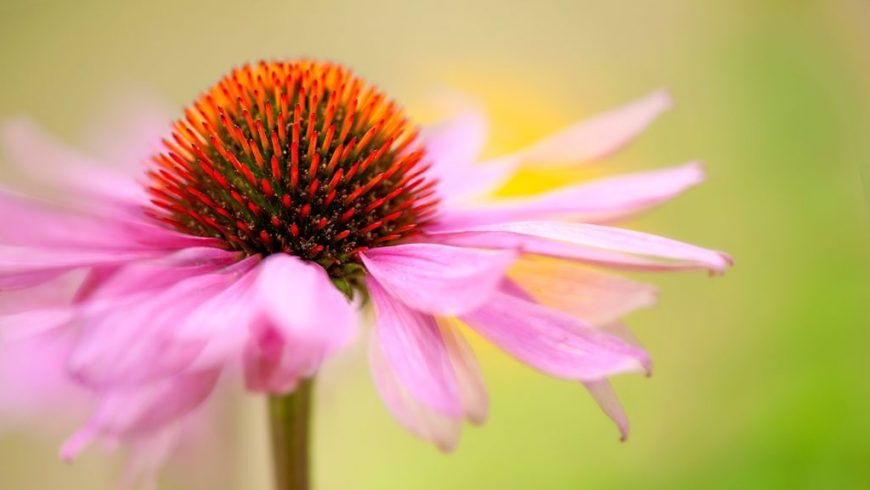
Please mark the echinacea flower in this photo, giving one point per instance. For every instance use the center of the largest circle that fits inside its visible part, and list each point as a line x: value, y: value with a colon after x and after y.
x: 289, y: 194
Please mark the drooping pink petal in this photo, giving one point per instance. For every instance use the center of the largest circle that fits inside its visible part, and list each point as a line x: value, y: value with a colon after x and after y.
x: 469, y: 379
x: 35, y: 223
x: 599, y: 137
x: 594, y: 296
x: 56, y: 164
x: 149, y: 453
x: 133, y: 339
x: 427, y: 276
x: 33, y: 378
x: 22, y: 267
x: 605, y: 397
x: 142, y: 409
x: 301, y: 319
x: 597, y: 244
x: 417, y: 418
x: 415, y: 351
x: 132, y: 327
x: 166, y: 271
x: 597, y: 201
x: 553, y: 342
x: 41, y: 241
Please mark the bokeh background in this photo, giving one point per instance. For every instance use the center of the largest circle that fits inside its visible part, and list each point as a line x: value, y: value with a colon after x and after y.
x: 761, y: 375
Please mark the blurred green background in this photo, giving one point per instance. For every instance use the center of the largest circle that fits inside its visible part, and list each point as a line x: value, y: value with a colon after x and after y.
x: 761, y: 376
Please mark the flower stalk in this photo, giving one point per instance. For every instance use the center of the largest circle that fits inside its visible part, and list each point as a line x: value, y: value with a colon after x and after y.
x: 289, y: 418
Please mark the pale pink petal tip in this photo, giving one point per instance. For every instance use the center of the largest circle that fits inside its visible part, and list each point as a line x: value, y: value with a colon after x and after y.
x: 606, y: 399
x: 76, y: 443
x: 602, y: 135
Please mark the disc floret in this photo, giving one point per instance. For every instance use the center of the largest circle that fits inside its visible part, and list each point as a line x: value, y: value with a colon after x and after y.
x: 297, y: 157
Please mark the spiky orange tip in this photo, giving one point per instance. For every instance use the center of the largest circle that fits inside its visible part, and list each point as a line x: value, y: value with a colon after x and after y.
x: 299, y: 157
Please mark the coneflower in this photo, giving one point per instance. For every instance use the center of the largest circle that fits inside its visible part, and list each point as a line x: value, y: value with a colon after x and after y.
x: 288, y: 196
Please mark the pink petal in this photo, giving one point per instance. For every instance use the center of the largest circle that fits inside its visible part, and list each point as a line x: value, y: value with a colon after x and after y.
x: 592, y: 243
x: 604, y: 395
x: 57, y: 164
x: 472, y: 390
x: 142, y: 409
x: 415, y: 351
x: 478, y: 180
x: 33, y: 378
x: 148, y: 454
x: 455, y: 143
x: 40, y: 241
x: 302, y: 319
x: 595, y: 297
x: 600, y: 136
x: 25, y: 267
x: 453, y: 148
x: 417, y: 418
x: 33, y: 222
x: 133, y: 339
x: 428, y: 276
x: 132, y: 325
x: 166, y: 271
x: 553, y: 342
x: 597, y: 201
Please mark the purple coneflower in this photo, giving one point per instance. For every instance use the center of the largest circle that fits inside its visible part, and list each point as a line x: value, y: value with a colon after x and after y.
x: 289, y: 195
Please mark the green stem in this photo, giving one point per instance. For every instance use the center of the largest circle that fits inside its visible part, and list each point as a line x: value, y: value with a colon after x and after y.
x: 289, y: 417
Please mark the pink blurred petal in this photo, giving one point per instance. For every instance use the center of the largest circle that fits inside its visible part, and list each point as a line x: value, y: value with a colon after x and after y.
x: 22, y: 267
x: 132, y: 339
x: 593, y: 243
x: 56, y: 164
x: 40, y: 241
x: 148, y: 454
x: 131, y: 326
x: 597, y: 201
x: 422, y: 421
x: 415, y: 351
x: 455, y: 143
x: 427, y: 276
x: 302, y: 319
x: 126, y: 412
x: 33, y: 379
x: 33, y: 222
x: 453, y: 148
x: 478, y: 180
x: 594, y: 296
x: 606, y: 399
x: 599, y: 137
x: 551, y: 341
x: 469, y: 379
